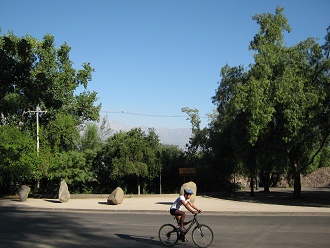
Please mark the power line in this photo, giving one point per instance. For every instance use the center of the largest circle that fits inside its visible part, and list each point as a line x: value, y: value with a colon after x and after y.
x: 150, y: 115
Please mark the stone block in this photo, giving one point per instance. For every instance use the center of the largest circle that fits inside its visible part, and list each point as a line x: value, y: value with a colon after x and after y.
x: 24, y: 193
x: 63, y: 193
x: 116, y: 197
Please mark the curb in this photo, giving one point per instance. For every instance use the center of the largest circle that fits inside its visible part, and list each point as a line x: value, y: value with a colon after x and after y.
x: 224, y: 213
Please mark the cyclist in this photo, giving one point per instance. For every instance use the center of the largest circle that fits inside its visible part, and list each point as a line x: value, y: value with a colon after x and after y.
x: 183, y: 200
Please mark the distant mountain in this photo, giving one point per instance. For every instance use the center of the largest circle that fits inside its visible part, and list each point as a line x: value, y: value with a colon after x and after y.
x: 177, y: 136
x: 167, y: 136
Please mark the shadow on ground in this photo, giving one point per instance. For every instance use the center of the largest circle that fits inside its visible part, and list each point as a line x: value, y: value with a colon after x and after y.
x: 165, y: 203
x: 154, y: 241
x: 52, y: 201
x: 139, y: 239
x: 310, y: 196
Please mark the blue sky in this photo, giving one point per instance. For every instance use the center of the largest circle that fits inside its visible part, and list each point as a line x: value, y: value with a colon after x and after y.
x: 153, y: 57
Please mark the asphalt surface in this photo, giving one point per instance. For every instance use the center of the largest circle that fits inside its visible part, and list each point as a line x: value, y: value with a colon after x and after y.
x: 280, y: 201
x: 64, y: 229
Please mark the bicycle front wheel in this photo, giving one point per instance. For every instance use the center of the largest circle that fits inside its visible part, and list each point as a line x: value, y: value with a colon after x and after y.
x: 202, y: 236
x: 168, y: 234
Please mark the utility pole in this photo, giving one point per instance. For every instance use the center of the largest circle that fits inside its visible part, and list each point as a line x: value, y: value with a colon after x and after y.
x: 37, y: 111
x: 160, y: 181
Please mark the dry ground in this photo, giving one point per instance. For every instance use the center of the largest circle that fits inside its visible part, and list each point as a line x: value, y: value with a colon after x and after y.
x: 318, y: 178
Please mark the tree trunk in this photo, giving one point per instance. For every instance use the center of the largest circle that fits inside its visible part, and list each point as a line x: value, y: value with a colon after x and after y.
x: 252, y: 186
x: 266, y: 182
x: 138, y: 185
x: 253, y: 168
x: 297, y: 185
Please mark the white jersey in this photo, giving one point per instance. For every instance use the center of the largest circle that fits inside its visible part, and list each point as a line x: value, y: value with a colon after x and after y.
x: 178, y: 202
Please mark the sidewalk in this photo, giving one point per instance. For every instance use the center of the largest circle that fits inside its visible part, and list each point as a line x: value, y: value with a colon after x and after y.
x: 314, y: 201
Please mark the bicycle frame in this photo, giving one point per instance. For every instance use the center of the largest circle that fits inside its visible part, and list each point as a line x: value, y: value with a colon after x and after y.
x: 192, y: 223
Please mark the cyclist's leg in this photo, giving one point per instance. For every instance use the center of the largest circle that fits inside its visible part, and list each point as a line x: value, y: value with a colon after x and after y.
x: 180, y: 215
x: 178, y: 220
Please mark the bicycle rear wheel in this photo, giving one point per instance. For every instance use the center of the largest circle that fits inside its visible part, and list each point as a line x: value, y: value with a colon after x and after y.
x: 202, y: 236
x: 168, y: 234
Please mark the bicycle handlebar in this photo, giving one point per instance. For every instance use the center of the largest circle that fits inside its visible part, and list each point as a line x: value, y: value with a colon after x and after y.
x: 195, y: 215
x: 197, y: 212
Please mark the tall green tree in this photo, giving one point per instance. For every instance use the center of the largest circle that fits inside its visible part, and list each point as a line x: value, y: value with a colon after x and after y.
x: 199, y: 135
x: 62, y: 134
x: 293, y: 82
x: 281, y: 99
x: 171, y: 159
x: 18, y: 159
x: 91, y: 137
x: 229, y: 138
x: 71, y: 167
x: 132, y: 154
x: 34, y: 72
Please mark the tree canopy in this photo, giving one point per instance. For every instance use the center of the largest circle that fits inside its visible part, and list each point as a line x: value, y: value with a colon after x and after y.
x: 280, y: 104
x: 39, y: 80
x: 34, y: 72
x: 132, y: 153
x: 271, y: 116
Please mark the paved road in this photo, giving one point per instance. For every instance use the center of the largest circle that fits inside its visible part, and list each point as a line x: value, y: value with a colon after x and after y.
x: 26, y: 228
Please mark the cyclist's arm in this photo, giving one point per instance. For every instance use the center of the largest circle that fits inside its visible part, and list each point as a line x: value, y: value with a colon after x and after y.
x: 194, y: 207
x: 187, y: 206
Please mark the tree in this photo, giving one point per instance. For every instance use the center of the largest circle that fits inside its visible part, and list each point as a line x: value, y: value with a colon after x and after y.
x: 171, y: 159
x: 62, y: 134
x: 199, y: 155
x: 91, y: 137
x: 132, y: 153
x: 34, y: 72
x: 229, y: 136
x: 18, y: 159
x: 199, y: 136
x: 324, y: 160
x: 255, y: 93
x: 294, y: 80
x: 71, y: 167
x: 282, y: 99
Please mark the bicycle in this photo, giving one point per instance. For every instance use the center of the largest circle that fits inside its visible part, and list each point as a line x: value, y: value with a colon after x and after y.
x: 202, y: 235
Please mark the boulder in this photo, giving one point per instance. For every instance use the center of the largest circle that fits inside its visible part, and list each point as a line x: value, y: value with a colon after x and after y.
x: 24, y: 193
x: 63, y: 193
x: 116, y: 197
x: 189, y: 185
